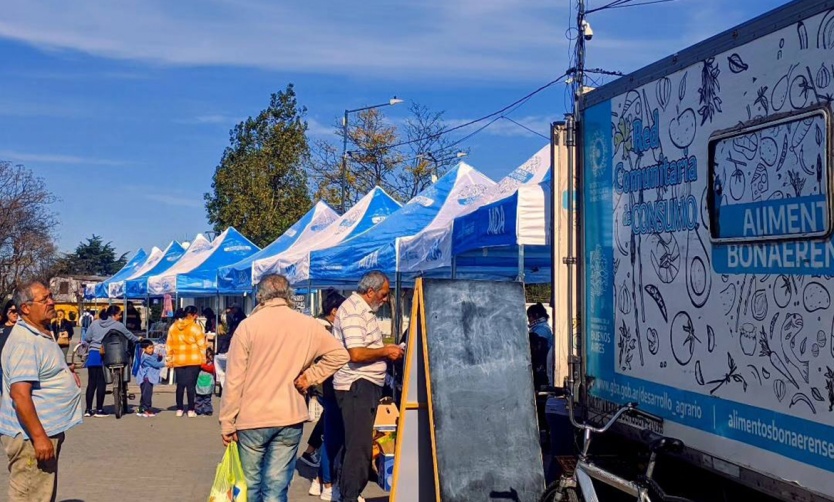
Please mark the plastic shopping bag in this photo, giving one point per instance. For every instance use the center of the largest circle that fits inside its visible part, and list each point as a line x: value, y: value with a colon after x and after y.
x: 229, y: 483
x: 315, y: 409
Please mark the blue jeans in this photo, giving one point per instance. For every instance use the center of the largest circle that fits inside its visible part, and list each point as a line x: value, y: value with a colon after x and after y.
x: 334, y: 440
x: 268, y: 459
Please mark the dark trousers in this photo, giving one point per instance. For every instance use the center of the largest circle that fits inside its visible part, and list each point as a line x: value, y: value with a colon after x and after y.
x: 95, y: 386
x: 146, y: 397
x: 334, y: 439
x: 204, y: 406
x: 187, y: 383
x: 358, y: 406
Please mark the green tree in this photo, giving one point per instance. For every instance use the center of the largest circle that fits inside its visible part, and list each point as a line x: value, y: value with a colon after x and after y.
x: 403, y: 160
x: 260, y: 185
x: 94, y: 257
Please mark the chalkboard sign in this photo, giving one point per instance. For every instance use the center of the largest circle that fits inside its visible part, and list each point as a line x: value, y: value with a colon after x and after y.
x: 481, y: 392
x: 414, y: 460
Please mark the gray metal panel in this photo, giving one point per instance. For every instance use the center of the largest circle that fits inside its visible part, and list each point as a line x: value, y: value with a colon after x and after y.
x: 746, y: 32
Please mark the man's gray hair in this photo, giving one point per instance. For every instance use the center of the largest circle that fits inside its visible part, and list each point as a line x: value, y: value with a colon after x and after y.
x: 372, y: 280
x: 274, y: 286
x: 24, y: 294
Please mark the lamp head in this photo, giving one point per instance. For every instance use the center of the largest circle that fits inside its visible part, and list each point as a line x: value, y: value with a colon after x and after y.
x: 395, y: 101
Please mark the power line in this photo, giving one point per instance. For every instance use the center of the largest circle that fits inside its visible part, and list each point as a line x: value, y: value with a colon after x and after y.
x: 524, y: 127
x: 496, y: 115
x: 622, y: 4
x: 641, y: 4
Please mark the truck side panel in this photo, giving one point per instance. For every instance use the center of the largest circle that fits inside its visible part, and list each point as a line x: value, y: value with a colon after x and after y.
x: 708, y: 252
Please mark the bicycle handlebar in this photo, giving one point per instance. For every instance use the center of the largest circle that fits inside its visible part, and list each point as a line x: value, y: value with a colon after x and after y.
x: 626, y: 408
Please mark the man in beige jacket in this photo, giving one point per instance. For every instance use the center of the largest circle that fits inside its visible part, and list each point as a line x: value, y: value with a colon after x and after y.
x: 275, y: 356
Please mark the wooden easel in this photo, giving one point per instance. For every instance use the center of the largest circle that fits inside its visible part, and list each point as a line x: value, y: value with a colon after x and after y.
x: 415, y: 460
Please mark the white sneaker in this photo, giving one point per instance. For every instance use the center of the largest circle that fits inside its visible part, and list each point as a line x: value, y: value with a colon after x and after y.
x: 192, y: 414
x: 179, y: 413
x: 331, y: 493
x: 315, y: 488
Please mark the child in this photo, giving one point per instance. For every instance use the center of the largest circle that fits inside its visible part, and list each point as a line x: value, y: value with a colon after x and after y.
x: 205, y: 386
x: 148, y: 376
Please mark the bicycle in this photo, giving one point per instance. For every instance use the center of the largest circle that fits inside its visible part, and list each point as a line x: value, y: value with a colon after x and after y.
x: 578, y: 486
x: 116, y: 359
x: 79, y: 355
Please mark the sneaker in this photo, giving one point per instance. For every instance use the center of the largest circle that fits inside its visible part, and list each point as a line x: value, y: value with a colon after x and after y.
x: 100, y: 414
x: 330, y: 493
x: 192, y: 414
x: 179, y: 413
x: 315, y: 488
x: 148, y: 414
x: 311, y: 459
x: 88, y: 413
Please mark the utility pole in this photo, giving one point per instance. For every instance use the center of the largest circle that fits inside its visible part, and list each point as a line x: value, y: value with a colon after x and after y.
x: 579, y: 76
x: 575, y: 345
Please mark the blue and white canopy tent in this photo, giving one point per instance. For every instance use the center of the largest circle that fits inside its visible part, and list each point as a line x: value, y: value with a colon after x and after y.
x: 507, y: 239
x: 240, y: 277
x: 116, y: 289
x: 376, y: 249
x: 137, y: 287
x: 294, y: 263
x: 195, y: 274
x: 100, y: 290
x: 431, y: 251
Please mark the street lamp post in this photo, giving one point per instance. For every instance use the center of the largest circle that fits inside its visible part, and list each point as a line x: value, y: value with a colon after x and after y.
x: 391, y: 102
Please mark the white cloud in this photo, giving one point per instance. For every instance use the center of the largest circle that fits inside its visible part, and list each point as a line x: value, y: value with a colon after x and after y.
x: 15, y: 108
x: 47, y: 158
x: 479, y: 41
x: 319, y: 129
x: 211, y: 119
x: 174, y: 200
x: 503, y: 39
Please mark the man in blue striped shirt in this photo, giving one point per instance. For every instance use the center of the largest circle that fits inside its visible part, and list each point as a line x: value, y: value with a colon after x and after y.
x: 41, y: 398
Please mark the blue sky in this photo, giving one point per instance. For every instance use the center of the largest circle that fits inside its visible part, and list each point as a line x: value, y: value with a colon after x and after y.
x: 124, y: 108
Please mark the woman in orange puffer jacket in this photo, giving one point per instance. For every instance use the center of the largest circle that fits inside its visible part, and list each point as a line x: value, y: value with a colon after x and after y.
x: 186, y: 351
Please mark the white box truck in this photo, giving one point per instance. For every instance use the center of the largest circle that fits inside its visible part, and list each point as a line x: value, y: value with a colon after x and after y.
x: 707, y: 253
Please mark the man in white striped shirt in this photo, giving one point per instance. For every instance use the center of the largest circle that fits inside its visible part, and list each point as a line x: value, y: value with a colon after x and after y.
x: 359, y: 383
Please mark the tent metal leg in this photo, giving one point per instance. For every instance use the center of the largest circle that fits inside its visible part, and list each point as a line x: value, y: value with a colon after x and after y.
x: 309, y: 301
x: 148, y: 315
x: 396, y: 312
x: 521, y: 264
x: 454, y: 267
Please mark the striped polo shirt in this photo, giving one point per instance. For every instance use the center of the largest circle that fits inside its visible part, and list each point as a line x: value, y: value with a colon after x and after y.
x: 32, y: 356
x: 356, y: 326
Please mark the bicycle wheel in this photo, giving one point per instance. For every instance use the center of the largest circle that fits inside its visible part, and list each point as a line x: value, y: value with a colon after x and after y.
x: 118, y: 393
x: 556, y: 493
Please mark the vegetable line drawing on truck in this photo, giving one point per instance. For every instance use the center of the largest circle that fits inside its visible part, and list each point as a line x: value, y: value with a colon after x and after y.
x: 727, y: 195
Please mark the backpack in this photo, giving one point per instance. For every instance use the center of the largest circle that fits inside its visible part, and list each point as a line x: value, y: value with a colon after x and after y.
x: 205, y: 383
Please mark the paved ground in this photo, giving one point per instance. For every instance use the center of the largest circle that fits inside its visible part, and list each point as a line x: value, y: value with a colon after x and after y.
x: 162, y: 459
